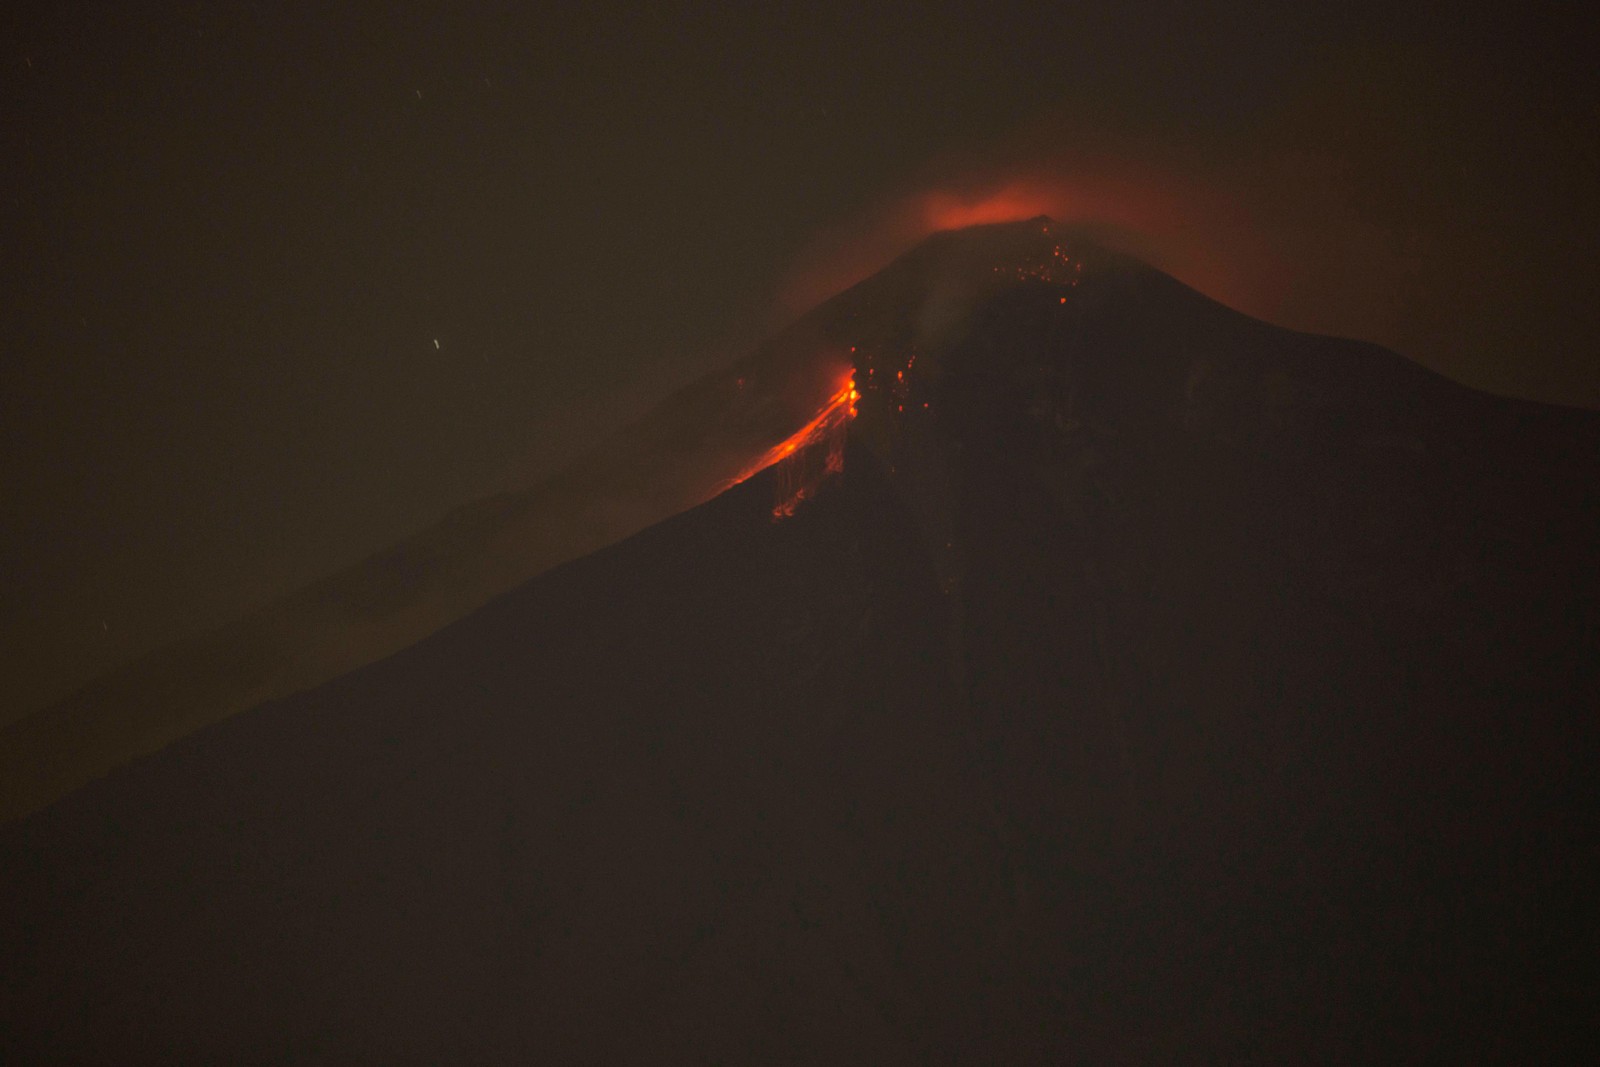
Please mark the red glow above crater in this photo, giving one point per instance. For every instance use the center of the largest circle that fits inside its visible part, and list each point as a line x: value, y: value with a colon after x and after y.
x: 1178, y: 225
x: 1012, y: 203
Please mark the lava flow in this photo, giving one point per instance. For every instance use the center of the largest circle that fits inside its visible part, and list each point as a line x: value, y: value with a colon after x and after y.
x: 806, y: 458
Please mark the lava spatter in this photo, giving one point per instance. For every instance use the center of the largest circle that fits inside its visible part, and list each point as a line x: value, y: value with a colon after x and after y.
x: 806, y: 458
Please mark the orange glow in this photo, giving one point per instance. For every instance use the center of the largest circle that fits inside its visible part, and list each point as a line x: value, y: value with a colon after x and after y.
x: 946, y: 211
x: 808, y: 456
x: 1290, y: 212
x: 1140, y: 207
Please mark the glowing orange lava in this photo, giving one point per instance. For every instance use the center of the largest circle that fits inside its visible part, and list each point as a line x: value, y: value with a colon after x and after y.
x: 1057, y: 268
x: 808, y: 456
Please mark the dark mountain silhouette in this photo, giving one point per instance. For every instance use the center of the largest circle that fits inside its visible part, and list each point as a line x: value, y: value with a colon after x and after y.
x: 1152, y: 685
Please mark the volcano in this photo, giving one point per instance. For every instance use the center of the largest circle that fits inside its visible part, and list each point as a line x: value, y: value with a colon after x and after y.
x: 1072, y: 670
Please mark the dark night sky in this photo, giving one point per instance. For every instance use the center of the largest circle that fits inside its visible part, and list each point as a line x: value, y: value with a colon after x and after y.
x: 286, y: 282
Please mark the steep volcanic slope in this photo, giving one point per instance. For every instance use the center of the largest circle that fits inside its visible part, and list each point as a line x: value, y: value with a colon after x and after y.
x: 1288, y: 653
x: 1153, y: 685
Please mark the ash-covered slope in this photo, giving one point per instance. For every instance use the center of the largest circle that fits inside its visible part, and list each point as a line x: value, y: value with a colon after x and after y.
x: 1152, y: 686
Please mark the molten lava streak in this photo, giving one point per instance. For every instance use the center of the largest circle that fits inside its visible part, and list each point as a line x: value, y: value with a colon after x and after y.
x: 808, y: 456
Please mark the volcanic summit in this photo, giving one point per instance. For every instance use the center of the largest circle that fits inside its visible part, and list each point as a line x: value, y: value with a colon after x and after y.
x: 1072, y: 670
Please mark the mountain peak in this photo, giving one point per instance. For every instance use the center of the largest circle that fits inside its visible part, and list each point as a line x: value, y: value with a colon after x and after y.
x: 1135, y: 640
